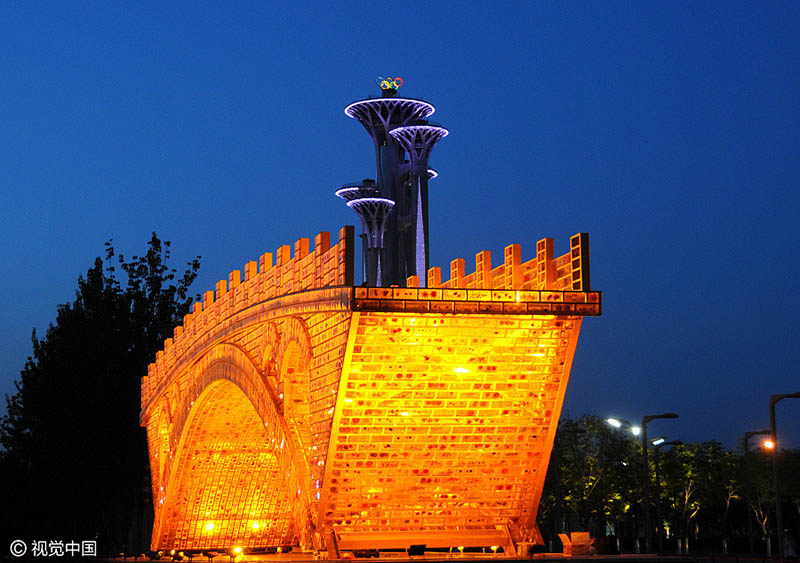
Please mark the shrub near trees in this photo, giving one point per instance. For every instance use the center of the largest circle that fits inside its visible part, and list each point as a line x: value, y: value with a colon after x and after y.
x: 74, y: 462
x: 698, y: 491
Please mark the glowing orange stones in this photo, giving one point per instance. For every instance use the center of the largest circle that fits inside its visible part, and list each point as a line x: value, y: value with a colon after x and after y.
x: 295, y: 409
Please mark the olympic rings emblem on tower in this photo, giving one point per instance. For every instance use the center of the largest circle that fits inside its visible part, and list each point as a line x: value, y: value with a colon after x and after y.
x: 389, y: 83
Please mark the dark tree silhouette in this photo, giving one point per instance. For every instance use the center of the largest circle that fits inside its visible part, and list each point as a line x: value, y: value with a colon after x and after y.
x: 74, y: 459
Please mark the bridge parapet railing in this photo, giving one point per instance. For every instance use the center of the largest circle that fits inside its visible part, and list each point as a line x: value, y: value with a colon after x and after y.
x: 298, y: 268
x: 272, y: 276
x: 569, y: 272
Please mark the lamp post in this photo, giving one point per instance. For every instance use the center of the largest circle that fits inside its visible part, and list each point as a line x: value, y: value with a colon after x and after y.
x: 657, y: 445
x: 646, y: 473
x: 773, y: 400
x: 636, y: 431
x: 749, y: 484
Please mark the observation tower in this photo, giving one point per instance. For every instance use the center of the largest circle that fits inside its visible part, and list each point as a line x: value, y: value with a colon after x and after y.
x: 401, y: 180
x: 374, y: 212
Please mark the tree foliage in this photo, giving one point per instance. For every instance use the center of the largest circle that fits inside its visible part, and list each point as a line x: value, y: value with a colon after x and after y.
x: 698, y: 491
x: 72, y: 444
x: 590, y: 471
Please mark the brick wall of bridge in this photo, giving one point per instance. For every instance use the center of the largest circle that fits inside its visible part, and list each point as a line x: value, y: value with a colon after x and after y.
x: 400, y: 422
x: 446, y: 422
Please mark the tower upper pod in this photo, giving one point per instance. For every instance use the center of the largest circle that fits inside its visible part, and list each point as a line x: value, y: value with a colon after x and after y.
x: 402, y: 139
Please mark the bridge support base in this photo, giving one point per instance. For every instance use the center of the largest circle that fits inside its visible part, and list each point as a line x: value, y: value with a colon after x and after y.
x: 485, y: 538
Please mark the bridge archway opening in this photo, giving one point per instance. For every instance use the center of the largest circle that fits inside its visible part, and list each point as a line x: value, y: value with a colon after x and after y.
x: 296, y: 392
x: 228, y: 490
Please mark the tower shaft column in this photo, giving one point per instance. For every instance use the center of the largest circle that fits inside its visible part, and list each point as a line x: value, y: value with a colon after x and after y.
x: 418, y: 141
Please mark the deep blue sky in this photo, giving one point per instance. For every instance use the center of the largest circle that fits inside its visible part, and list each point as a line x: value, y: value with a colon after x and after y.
x: 670, y: 132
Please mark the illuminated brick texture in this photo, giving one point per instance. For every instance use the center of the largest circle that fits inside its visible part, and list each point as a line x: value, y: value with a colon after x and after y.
x: 292, y: 408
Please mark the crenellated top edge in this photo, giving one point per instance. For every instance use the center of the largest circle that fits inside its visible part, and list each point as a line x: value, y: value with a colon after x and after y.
x: 568, y: 272
x: 290, y: 269
x: 299, y: 268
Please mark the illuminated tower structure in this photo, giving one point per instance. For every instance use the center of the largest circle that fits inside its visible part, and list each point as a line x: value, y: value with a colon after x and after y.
x: 418, y: 140
x: 374, y: 213
x: 405, y: 183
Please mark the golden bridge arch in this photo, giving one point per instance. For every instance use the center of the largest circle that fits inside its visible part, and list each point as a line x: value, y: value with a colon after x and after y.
x: 292, y: 408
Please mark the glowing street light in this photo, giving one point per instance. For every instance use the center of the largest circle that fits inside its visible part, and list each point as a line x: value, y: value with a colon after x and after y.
x: 773, y: 400
x: 767, y: 444
x: 646, y: 470
x: 621, y: 422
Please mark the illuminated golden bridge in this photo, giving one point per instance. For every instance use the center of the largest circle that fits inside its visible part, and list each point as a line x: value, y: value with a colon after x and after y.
x: 292, y: 408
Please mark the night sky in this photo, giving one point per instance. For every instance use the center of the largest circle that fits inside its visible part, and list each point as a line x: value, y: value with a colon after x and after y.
x: 670, y: 132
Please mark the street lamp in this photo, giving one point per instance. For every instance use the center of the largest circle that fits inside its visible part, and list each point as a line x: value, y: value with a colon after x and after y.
x: 621, y: 422
x: 659, y: 443
x: 773, y: 400
x: 646, y: 471
x: 642, y: 431
x: 747, y: 436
